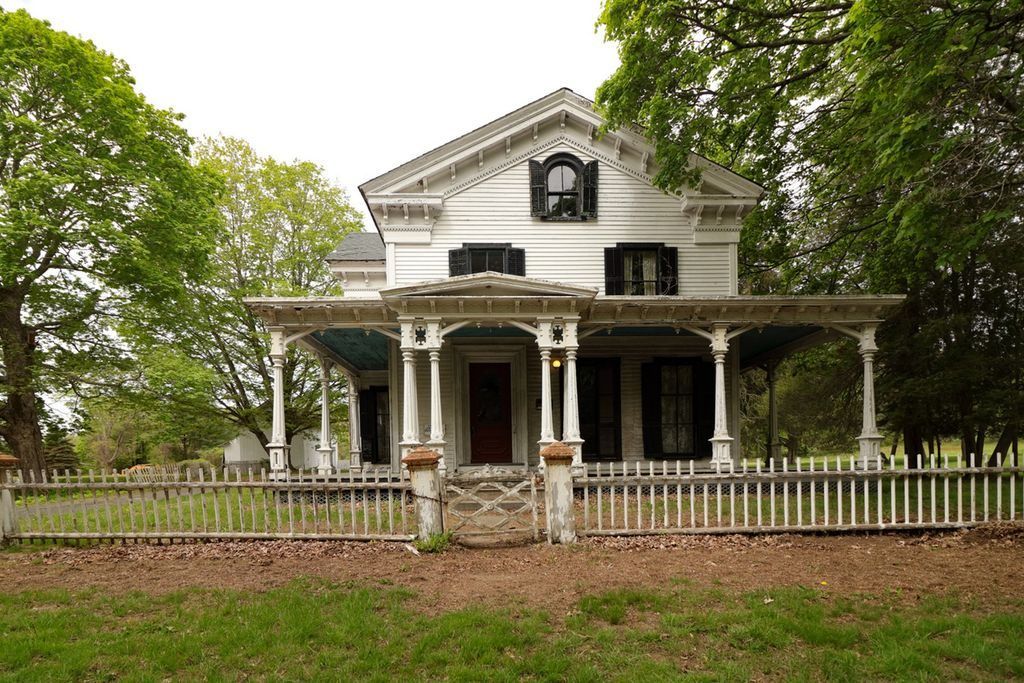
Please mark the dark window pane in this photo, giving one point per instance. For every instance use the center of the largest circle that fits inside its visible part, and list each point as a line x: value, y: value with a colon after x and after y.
x: 562, y: 178
x: 562, y: 204
x: 555, y: 179
x: 481, y: 260
x: 477, y: 261
x: 668, y: 439
x: 668, y: 379
x: 685, y: 379
x: 685, y: 441
x: 668, y: 410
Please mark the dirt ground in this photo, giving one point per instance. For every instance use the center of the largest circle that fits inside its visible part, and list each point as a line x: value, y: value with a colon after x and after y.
x: 983, y: 564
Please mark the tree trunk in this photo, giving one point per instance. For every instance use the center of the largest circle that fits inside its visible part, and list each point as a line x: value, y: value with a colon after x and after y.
x: 1004, y: 445
x: 19, y: 415
x: 913, y: 445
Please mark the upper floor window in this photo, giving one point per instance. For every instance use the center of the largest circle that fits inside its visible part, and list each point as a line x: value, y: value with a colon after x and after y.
x: 641, y: 269
x: 563, y: 188
x: 480, y: 258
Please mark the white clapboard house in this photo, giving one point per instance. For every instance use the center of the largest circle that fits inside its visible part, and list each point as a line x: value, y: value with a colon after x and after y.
x: 526, y: 283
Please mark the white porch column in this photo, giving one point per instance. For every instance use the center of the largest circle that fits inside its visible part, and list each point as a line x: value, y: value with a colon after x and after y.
x: 278, y: 445
x: 870, y: 440
x: 434, y: 339
x: 721, y: 442
x: 324, y: 450
x: 570, y: 399
x: 547, y: 435
x: 774, y: 445
x: 355, y: 424
x: 410, y: 405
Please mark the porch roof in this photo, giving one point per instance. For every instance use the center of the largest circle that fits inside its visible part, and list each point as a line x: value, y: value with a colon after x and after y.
x: 355, y: 331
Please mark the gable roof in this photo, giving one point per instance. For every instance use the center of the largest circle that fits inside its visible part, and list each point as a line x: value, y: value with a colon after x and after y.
x: 561, y: 103
x: 359, y: 246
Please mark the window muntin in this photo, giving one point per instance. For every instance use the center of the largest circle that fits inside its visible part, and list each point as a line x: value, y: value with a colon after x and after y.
x: 640, y: 268
x: 597, y: 384
x: 677, y: 420
x: 563, y: 191
x: 482, y: 260
x: 563, y: 188
x: 486, y: 256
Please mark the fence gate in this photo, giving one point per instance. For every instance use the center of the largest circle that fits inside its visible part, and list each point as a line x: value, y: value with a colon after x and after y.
x: 493, y: 503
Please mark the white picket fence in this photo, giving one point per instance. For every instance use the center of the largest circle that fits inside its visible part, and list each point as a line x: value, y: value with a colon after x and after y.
x: 826, y: 495
x: 232, y: 505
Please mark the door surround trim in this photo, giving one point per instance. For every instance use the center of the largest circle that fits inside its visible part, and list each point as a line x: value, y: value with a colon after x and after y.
x: 491, y: 353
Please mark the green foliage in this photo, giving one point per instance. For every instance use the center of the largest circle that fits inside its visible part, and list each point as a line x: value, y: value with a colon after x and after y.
x: 818, y: 398
x: 98, y: 202
x: 210, y: 354
x: 435, y: 543
x: 887, y: 135
x: 60, y: 453
x: 131, y: 428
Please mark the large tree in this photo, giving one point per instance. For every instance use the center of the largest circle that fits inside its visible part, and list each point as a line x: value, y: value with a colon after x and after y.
x: 889, y: 136
x: 282, y: 220
x: 99, y: 203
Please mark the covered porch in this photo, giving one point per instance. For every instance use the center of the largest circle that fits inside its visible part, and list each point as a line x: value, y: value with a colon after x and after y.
x: 490, y: 368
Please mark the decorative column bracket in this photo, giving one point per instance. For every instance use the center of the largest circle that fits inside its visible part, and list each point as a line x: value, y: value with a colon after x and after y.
x: 720, y: 336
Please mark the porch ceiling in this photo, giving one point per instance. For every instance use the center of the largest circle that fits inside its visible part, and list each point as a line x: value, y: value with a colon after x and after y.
x: 359, y: 349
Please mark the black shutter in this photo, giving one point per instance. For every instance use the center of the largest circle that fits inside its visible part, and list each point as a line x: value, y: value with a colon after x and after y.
x: 516, y: 259
x: 538, y: 190
x: 458, y: 262
x: 650, y: 406
x: 668, y: 270
x: 368, y: 424
x: 590, y: 190
x: 613, y: 282
x: 704, y: 408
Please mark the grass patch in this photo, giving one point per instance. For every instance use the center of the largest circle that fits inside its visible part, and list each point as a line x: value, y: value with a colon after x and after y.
x: 318, y: 630
x: 435, y: 543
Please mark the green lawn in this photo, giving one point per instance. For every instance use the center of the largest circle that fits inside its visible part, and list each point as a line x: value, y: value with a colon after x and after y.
x: 316, y: 630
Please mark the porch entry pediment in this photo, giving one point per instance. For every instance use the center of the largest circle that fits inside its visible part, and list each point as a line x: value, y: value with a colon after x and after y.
x: 489, y: 285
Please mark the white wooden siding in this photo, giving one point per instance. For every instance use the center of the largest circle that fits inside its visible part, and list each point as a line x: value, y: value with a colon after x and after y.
x: 629, y: 210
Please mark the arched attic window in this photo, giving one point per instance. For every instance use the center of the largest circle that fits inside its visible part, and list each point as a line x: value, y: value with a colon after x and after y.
x: 563, y: 188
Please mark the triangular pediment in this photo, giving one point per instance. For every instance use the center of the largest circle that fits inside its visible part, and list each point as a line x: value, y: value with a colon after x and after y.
x: 489, y: 285
x: 562, y: 117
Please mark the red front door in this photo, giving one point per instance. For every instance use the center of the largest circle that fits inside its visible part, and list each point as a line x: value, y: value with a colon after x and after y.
x: 490, y: 412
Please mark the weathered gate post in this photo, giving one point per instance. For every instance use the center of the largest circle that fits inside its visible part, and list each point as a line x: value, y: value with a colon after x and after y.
x: 558, y: 492
x: 426, y: 490
x: 8, y: 522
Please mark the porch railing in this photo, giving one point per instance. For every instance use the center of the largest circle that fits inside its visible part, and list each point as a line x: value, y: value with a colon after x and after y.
x: 824, y: 494
x: 222, y: 505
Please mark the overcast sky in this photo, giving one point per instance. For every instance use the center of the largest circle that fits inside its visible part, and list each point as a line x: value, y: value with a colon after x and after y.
x: 357, y: 87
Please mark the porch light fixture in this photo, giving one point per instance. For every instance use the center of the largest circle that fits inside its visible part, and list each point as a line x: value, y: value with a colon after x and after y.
x: 556, y: 363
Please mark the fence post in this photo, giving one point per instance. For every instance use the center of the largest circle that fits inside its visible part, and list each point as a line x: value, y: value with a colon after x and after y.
x: 426, y: 490
x: 558, y: 492
x: 8, y: 520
